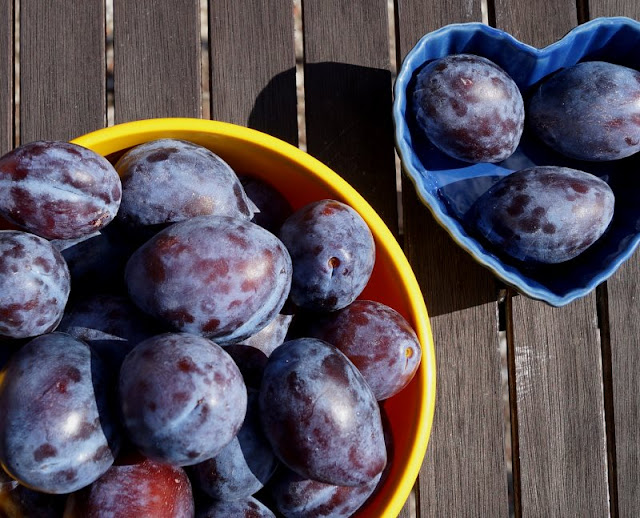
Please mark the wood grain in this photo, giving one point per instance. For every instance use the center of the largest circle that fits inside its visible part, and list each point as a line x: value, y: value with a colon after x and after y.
x: 252, y: 65
x: 623, y: 294
x: 464, y: 473
x: 348, y: 96
x: 561, y: 456
x: 62, y: 69
x: 6, y: 76
x: 536, y: 22
x: 157, y: 70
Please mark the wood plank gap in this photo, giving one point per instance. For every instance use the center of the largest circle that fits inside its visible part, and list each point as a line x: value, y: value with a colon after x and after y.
x: 205, y: 95
x: 582, y: 11
x: 109, y: 98
x: 516, y: 487
x: 602, y: 306
x: 298, y: 38
x: 489, y: 12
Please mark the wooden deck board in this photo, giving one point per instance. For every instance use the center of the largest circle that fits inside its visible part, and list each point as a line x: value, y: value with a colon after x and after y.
x: 62, y: 69
x: 157, y: 70
x: 252, y: 66
x: 6, y: 76
x: 464, y: 473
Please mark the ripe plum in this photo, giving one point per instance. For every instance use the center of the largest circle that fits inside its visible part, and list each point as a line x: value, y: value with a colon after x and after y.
x: 57, y: 431
x: 34, y: 285
x: 469, y: 108
x: 58, y: 190
x: 273, y: 207
x: 544, y: 214
x: 245, y: 508
x: 299, y: 497
x: 215, y: 276
x: 110, y: 324
x: 590, y: 111
x: 243, y: 466
x: 170, y: 180
x: 182, y: 398
x: 143, y: 488
x: 377, y: 339
x: 333, y: 254
x: 319, y: 414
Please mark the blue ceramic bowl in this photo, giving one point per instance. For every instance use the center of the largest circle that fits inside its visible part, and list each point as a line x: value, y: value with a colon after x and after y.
x: 449, y: 187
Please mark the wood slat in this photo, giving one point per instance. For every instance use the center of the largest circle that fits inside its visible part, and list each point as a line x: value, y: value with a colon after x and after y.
x: 624, y: 345
x: 464, y: 473
x: 62, y: 69
x: 252, y: 65
x: 561, y: 457
x: 348, y: 96
x: 157, y: 68
x: 560, y: 408
x: 6, y: 76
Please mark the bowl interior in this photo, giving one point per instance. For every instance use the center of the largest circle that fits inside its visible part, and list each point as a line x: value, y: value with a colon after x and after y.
x: 449, y: 187
x: 302, y: 179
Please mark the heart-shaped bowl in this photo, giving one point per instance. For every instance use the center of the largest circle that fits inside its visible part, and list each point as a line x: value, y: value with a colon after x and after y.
x: 449, y: 187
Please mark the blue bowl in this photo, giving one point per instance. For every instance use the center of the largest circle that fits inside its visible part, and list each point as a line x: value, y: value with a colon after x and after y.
x: 449, y: 187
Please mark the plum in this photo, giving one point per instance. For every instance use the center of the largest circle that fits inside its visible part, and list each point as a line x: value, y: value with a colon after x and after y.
x: 469, y: 108
x: 34, y: 285
x: 182, y: 398
x: 170, y: 180
x: 590, y: 111
x: 215, y: 276
x: 111, y: 324
x: 58, y: 190
x: 299, y: 497
x: 140, y: 488
x: 544, y: 214
x: 244, y: 508
x: 243, y: 466
x: 377, y: 339
x: 333, y: 254
x: 272, y: 207
x: 320, y: 416
x: 57, y: 426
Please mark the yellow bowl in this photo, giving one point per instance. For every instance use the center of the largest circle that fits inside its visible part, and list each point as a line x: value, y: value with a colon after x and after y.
x: 302, y: 179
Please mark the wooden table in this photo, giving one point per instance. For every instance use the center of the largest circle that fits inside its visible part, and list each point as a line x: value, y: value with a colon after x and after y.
x: 573, y: 384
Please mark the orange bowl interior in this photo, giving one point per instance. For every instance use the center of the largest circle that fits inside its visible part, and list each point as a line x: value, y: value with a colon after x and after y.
x: 303, y: 179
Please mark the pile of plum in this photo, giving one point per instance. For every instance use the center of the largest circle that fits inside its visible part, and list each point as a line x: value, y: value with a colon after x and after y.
x: 178, y: 341
x: 470, y: 109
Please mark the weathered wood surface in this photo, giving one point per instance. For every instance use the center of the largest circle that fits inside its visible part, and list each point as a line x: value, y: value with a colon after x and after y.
x: 156, y: 54
x: 252, y: 66
x: 62, y: 69
x: 6, y: 76
x: 464, y: 473
x: 573, y: 371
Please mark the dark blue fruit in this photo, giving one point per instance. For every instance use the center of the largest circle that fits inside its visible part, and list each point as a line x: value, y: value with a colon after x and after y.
x: 590, y: 111
x: 320, y: 416
x: 377, y: 339
x: 299, y: 497
x: 544, y: 214
x: 57, y: 430
x: 182, y: 398
x: 333, y: 254
x: 219, y: 277
x: 469, y: 108
x: 245, y: 508
x: 170, y: 180
x: 34, y: 285
x: 243, y: 466
x: 272, y: 207
x: 58, y: 190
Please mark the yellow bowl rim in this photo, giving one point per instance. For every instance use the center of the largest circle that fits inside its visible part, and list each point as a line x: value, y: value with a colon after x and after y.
x: 115, y: 138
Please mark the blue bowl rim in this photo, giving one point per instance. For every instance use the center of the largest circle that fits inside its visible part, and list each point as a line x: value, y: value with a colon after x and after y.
x: 454, y: 228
